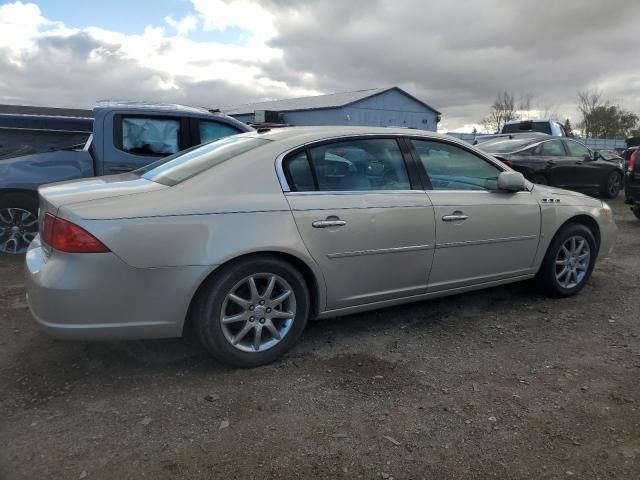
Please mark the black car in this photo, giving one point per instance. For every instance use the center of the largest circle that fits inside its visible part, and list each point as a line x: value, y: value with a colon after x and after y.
x: 632, y: 183
x: 561, y: 162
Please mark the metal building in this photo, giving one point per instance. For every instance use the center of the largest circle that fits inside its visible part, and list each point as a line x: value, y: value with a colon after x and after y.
x: 374, y: 107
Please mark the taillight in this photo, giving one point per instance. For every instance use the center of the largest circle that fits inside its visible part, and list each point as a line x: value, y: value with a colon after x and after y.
x: 505, y: 161
x: 632, y: 160
x: 69, y: 237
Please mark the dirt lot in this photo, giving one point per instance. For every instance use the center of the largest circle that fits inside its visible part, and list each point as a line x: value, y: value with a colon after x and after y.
x: 501, y: 383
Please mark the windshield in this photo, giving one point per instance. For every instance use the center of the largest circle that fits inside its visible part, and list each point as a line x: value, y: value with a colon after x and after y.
x: 188, y: 163
x: 526, y: 126
x: 506, y: 145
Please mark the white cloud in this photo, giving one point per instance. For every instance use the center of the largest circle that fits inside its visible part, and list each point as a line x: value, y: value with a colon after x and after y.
x: 188, y: 23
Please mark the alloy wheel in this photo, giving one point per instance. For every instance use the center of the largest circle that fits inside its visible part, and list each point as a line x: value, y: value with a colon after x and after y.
x: 614, y: 184
x: 572, y: 261
x: 258, y: 312
x: 18, y: 228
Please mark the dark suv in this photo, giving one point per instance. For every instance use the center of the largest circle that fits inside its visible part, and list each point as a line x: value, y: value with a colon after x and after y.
x: 632, y: 183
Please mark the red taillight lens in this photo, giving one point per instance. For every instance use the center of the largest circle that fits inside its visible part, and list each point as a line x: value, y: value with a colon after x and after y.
x: 632, y: 160
x: 69, y: 237
x: 505, y: 161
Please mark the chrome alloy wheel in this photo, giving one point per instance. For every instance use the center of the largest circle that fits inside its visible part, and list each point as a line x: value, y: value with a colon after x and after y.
x: 258, y: 312
x: 18, y: 228
x: 572, y: 261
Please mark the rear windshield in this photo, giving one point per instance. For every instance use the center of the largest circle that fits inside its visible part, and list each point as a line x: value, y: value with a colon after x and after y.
x: 506, y: 145
x: 188, y: 163
x: 543, y: 127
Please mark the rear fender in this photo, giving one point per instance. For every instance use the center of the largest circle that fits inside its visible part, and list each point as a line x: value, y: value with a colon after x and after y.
x: 28, y: 172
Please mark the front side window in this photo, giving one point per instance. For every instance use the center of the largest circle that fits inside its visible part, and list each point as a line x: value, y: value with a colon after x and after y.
x: 452, y: 168
x: 576, y: 149
x: 350, y: 165
x: 210, y: 131
x: 150, y: 136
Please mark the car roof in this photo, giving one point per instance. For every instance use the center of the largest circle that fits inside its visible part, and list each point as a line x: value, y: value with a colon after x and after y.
x: 302, y: 135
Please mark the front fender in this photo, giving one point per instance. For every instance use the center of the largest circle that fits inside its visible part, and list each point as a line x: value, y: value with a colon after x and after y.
x: 28, y: 172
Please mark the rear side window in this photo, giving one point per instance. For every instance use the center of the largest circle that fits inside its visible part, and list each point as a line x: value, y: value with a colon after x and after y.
x: 350, y: 165
x: 210, y: 131
x: 552, y: 148
x: 452, y: 168
x: 527, y: 126
x: 189, y: 163
x: 150, y: 136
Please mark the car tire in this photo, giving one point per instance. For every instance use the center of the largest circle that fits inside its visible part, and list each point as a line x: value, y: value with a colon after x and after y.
x: 613, y: 185
x: 636, y: 211
x: 232, y: 308
x: 550, y: 276
x: 18, y: 222
x: 540, y: 180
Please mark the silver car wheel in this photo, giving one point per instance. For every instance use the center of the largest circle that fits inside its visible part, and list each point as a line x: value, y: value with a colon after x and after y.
x: 258, y: 312
x: 572, y: 261
x: 18, y: 228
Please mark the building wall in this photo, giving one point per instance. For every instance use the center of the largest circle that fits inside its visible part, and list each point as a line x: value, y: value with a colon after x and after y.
x: 391, y: 108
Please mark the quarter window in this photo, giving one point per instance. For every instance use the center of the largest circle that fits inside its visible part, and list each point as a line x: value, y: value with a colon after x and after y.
x: 351, y: 165
x: 210, y: 131
x: 452, y: 168
x: 577, y: 150
x: 150, y: 136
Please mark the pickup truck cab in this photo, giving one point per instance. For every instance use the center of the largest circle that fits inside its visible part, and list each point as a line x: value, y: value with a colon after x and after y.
x: 514, y: 128
x: 124, y: 137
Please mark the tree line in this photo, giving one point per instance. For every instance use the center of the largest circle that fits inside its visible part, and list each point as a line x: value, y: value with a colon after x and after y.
x: 600, y: 117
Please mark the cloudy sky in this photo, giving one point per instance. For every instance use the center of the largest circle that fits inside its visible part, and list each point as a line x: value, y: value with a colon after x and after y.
x: 455, y: 55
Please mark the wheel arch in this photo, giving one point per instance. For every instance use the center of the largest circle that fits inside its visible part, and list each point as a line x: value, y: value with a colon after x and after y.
x: 586, y: 220
x: 20, y: 191
x: 312, y: 277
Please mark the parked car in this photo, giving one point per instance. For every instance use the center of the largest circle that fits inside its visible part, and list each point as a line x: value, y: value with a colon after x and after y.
x: 515, y: 128
x: 627, y: 156
x: 246, y: 238
x: 125, y: 136
x: 564, y: 163
x: 632, y: 183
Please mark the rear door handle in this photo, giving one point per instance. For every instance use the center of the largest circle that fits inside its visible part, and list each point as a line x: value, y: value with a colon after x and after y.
x: 455, y: 217
x: 328, y: 223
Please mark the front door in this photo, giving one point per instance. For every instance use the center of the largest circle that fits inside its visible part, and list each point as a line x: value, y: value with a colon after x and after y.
x: 369, y: 231
x: 482, y: 234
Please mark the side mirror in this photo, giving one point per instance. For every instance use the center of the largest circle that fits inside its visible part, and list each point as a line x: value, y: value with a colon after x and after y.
x: 596, y: 156
x: 511, y: 182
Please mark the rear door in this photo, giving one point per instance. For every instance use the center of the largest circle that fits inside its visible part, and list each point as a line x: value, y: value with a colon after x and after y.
x: 482, y: 234
x: 364, y: 218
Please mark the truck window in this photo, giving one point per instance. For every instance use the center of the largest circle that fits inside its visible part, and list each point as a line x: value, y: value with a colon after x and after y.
x: 527, y: 126
x: 150, y: 136
x: 210, y: 131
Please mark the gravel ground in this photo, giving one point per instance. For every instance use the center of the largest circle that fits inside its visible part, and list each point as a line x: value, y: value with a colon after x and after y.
x: 500, y: 383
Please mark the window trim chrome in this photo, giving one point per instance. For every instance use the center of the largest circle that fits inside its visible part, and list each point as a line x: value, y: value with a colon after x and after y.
x: 286, y: 189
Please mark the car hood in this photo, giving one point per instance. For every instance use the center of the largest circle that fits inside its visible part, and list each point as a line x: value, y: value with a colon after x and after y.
x: 78, y: 191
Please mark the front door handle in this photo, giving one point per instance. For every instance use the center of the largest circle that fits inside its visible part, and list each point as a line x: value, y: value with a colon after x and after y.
x: 329, y: 222
x: 455, y: 217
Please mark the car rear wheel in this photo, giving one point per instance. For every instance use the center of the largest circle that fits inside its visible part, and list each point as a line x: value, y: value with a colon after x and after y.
x: 252, y: 311
x: 613, y: 185
x: 18, y: 222
x: 569, y: 261
x: 540, y: 180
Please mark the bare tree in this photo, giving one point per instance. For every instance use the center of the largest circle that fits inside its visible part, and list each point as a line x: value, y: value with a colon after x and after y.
x: 589, y: 101
x: 503, y: 110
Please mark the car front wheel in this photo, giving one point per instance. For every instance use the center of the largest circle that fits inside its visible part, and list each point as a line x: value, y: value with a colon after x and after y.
x: 569, y: 261
x: 613, y: 186
x: 252, y: 311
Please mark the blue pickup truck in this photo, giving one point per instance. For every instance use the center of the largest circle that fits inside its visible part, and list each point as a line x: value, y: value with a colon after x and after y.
x: 120, y: 138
